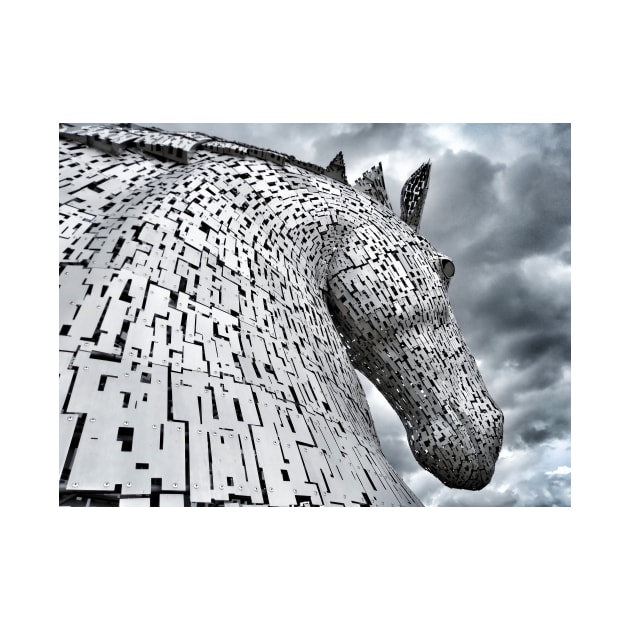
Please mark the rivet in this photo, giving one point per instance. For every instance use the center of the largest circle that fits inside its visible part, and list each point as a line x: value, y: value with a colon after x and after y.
x: 294, y: 491
x: 245, y: 437
x: 71, y: 303
x: 69, y: 418
x: 159, y: 381
x: 240, y: 487
x: 85, y: 367
x: 275, y: 442
x: 126, y: 422
x: 179, y: 428
x: 214, y: 433
x: 98, y: 306
x: 106, y: 484
x: 129, y: 484
x: 126, y: 373
x: 199, y: 431
x: 257, y: 439
x: 195, y: 485
x: 231, y: 435
x: 75, y: 485
x: 155, y: 426
x: 270, y: 489
x: 174, y: 485
x: 221, y: 487
x: 92, y: 419
x: 176, y: 384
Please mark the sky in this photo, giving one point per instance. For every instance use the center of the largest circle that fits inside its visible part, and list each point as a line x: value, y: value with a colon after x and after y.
x: 499, y: 206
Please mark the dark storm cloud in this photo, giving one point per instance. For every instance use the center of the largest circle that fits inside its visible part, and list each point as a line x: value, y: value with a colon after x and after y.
x: 360, y: 142
x: 540, y: 490
x: 539, y: 415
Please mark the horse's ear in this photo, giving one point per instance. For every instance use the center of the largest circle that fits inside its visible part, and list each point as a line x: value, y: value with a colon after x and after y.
x: 372, y: 184
x: 337, y: 169
x: 414, y: 194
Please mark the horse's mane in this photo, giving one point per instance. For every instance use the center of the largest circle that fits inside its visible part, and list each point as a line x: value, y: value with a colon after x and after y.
x: 181, y: 147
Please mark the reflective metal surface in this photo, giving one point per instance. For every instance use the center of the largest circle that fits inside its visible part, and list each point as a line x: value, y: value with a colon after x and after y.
x: 215, y: 299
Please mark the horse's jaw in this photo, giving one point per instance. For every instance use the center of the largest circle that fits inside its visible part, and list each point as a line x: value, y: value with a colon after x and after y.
x: 453, y: 426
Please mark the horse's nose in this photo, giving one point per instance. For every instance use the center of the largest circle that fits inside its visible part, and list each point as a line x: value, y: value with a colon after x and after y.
x: 480, y: 478
x: 481, y: 459
x: 472, y: 453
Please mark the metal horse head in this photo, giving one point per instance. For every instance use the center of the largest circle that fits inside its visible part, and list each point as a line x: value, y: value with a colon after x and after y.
x: 389, y: 296
x: 215, y: 301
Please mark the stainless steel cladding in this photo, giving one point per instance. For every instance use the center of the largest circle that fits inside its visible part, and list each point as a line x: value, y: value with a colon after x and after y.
x: 215, y: 300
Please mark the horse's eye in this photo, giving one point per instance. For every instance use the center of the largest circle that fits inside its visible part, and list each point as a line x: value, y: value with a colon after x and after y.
x: 448, y: 268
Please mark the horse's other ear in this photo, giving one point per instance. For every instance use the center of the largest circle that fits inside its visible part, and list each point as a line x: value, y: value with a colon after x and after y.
x: 337, y: 169
x: 414, y: 194
x: 372, y: 184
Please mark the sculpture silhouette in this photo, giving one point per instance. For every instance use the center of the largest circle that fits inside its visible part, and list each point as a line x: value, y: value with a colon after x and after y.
x: 215, y: 301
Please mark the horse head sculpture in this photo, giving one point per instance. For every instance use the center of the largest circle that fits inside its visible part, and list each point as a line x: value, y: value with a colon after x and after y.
x: 216, y: 299
x: 388, y: 294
